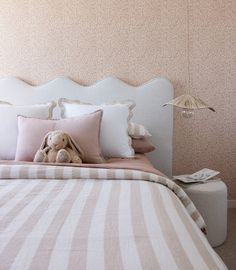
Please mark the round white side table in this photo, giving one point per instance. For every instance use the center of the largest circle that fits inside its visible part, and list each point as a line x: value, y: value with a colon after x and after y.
x: 210, y: 198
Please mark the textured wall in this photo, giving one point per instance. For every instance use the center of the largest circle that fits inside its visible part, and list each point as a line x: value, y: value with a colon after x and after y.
x: 136, y: 40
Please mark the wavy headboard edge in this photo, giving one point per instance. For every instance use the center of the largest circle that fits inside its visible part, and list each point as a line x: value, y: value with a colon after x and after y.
x: 148, y: 97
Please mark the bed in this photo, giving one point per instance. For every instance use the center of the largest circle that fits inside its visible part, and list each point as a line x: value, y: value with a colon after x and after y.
x: 122, y: 214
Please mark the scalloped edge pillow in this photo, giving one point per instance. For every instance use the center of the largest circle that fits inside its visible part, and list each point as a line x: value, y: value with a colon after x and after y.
x: 85, y: 130
x: 115, y: 140
x: 8, y: 120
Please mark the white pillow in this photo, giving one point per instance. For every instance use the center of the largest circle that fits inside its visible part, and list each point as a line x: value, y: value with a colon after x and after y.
x: 9, y: 129
x: 114, y: 138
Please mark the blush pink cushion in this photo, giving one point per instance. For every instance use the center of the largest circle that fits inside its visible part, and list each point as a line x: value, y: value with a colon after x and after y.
x: 85, y: 130
x: 142, y: 146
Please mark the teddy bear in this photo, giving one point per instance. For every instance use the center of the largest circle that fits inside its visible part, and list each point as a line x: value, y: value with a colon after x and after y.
x: 58, y: 147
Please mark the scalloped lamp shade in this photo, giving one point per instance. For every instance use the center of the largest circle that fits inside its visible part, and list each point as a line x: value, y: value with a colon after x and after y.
x: 189, y: 102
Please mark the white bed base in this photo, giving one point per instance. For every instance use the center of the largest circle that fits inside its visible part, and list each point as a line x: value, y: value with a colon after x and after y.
x: 149, y: 98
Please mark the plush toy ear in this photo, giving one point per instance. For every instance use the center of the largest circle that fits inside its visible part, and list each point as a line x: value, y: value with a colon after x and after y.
x: 74, y: 146
x: 45, y: 139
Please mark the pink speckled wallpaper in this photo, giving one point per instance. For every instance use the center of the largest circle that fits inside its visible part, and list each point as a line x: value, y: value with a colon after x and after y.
x: 136, y: 40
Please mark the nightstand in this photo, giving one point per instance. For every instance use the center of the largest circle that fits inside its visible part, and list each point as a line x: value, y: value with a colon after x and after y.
x: 210, y: 198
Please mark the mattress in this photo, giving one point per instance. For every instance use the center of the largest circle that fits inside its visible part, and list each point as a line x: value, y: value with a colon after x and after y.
x: 120, y: 215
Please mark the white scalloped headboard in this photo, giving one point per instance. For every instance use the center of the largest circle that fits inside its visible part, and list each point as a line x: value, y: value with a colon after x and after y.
x: 148, y: 97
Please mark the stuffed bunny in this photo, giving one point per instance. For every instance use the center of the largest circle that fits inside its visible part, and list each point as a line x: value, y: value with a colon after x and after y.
x: 58, y: 147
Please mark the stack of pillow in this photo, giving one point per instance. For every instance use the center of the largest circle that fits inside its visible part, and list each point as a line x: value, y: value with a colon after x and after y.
x: 102, y: 131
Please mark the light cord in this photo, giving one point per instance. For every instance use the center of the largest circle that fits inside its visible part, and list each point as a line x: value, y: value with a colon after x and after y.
x: 188, y: 50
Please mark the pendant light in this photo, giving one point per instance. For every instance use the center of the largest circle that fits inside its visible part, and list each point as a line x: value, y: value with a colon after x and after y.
x: 187, y: 102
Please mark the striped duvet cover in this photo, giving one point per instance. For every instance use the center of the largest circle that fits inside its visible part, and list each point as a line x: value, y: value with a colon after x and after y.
x: 64, y: 217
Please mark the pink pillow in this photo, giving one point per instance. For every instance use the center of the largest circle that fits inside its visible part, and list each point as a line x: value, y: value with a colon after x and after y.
x: 85, y: 130
x: 142, y: 146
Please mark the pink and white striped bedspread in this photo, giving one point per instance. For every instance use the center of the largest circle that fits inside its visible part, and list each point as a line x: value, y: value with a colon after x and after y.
x: 64, y: 217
